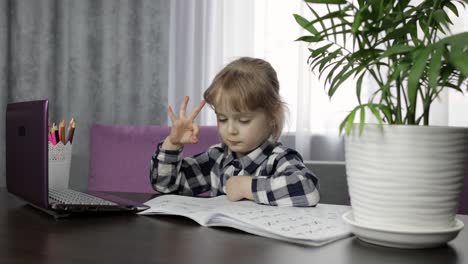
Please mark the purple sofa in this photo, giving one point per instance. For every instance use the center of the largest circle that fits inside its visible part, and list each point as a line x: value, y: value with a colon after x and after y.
x: 120, y: 155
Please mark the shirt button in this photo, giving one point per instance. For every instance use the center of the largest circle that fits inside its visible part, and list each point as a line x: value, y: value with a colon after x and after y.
x: 236, y: 164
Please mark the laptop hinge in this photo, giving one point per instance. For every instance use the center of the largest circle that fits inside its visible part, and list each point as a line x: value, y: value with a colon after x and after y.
x: 55, y: 214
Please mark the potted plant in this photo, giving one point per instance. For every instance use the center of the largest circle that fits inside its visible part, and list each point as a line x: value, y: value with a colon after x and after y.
x: 403, y: 174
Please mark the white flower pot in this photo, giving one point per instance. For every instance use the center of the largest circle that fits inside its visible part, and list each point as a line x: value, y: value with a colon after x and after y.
x: 406, y: 177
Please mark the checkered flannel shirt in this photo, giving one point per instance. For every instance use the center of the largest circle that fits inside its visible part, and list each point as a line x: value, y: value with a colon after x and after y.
x: 279, y: 176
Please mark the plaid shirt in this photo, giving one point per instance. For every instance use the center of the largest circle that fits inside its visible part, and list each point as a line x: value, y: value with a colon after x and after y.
x: 279, y: 176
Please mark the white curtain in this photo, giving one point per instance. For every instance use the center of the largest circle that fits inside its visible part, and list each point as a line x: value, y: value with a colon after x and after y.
x: 310, y: 110
x: 208, y: 34
x: 204, y: 36
x: 452, y: 107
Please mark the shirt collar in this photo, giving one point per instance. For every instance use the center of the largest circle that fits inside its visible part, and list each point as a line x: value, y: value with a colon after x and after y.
x: 251, y: 161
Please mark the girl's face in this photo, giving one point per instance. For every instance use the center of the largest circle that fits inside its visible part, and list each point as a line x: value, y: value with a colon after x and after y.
x: 242, y: 132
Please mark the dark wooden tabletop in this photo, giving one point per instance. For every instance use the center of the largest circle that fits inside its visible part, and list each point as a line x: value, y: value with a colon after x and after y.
x: 28, y: 235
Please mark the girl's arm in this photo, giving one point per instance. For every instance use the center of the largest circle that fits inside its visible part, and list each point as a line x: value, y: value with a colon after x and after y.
x: 289, y: 182
x: 170, y: 173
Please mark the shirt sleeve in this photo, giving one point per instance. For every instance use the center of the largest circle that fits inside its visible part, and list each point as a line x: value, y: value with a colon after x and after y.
x: 170, y: 173
x: 288, y: 182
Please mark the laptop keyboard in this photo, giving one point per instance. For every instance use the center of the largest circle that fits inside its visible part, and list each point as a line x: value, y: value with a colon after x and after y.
x: 68, y: 196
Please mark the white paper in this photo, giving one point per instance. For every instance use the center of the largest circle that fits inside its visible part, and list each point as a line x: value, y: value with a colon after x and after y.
x: 304, y: 225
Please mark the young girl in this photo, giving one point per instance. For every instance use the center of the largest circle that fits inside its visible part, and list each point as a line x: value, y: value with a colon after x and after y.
x: 249, y: 163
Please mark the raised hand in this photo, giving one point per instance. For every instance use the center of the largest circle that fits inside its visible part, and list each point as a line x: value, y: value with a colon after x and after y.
x: 184, y: 129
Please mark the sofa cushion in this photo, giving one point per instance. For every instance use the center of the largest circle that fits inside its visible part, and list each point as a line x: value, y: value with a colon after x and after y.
x: 120, y: 155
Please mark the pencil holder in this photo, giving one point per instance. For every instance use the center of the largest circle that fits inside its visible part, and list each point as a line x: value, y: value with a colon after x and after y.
x: 59, y: 165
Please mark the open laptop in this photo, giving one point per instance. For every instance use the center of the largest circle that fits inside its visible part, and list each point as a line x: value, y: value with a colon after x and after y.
x: 27, y: 175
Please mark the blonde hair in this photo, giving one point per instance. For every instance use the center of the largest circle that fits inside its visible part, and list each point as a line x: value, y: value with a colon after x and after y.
x: 248, y: 84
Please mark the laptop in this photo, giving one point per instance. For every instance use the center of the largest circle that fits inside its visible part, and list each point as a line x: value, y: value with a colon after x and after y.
x: 27, y: 161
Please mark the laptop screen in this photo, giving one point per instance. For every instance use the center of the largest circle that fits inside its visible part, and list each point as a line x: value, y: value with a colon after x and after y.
x: 27, y: 151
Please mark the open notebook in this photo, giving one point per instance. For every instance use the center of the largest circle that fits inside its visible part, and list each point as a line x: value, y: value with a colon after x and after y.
x: 312, y: 226
x: 27, y: 173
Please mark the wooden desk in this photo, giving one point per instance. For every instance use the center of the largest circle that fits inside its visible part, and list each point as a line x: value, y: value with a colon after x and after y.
x: 29, y: 236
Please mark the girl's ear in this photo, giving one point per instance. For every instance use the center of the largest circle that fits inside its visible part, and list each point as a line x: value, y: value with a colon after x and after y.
x: 272, y: 127
x: 272, y: 124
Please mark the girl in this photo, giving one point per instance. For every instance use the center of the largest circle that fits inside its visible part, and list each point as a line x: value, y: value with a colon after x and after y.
x: 249, y: 163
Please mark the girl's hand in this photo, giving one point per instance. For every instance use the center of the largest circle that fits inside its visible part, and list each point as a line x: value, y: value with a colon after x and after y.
x: 184, y: 129
x: 239, y: 187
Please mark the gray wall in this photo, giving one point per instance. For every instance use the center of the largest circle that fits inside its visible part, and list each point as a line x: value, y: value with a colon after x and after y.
x: 95, y: 60
x: 328, y: 147
x: 327, y: 161
x: 3, y: 85
x: 333, y: 186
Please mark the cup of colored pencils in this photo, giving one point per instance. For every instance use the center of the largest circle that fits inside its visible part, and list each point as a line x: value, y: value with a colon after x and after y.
x: 60, y: 153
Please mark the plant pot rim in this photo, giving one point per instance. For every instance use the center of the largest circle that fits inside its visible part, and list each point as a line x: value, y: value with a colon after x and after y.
x: 434, y: 127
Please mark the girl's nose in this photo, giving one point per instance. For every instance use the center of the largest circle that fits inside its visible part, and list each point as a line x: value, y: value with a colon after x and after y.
x: 232, y: 129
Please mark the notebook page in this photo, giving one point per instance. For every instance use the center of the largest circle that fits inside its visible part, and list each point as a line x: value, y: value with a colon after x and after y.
x: 320, y: 224
x: 230, y: 222
x: 198, y: 209
x: 305, y: 225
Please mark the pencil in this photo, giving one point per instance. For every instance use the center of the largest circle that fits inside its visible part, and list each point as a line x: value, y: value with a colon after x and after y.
x: 71, y: 130
x: 62, y: 131
x: 52, y: 137
x: 54, y: 134
x: 49, y: 129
